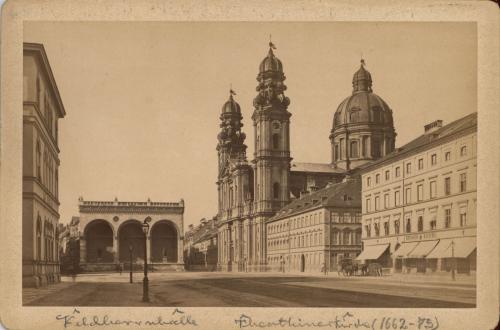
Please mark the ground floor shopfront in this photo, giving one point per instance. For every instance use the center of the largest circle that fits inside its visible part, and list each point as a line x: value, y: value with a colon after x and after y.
x: 445, y: 251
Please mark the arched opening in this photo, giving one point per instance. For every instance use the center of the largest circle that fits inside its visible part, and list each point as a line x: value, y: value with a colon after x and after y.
x: 99, y: 238
x: 164, y: 242
x: 130, y: 234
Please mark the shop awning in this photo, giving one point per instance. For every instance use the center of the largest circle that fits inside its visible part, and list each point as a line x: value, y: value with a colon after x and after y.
x: 462, y: 248
x: 372, y: 252
x: 404, y: 250
x: 423, y: 249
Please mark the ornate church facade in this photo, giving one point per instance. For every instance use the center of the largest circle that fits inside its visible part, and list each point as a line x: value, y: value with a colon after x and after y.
x: 250, y: 192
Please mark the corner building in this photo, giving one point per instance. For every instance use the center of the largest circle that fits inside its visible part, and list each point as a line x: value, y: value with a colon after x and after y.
x: 419, y: 203
x: 42, y: 108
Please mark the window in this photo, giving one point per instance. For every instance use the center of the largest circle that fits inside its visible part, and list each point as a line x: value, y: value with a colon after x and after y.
x: 276, y: 141
x: 276, y: 190
x: 386, y: 228
x: 368, y: 230
x: 463, y: 218
x: 447, y: 218
x: 433, y: 159
x: 336, y: 152
x: 408, y: 168
x: 420, y: 223
x: 354, y: 149
x: 368, y: 205
x: 433, y: 189
x: 463, y: 182
x: 39, y: 238
x: 377, y: 203
x: 447, y: 186
x: 377, y: 229
x: 387, y: 175
x: 420, y: 192
x: 397, y: 200
x: 38, y: 160
x: 396, y: 226
x: 408, y: 225
x: 386, y: 201
x: 377, y: 178
x: 463, y: 151
x: 433, y: 224
x: 341, y: 143
x: 420, y: 163
x: 368, y: 181
x: 398, y: 172
x: 345, y: 239
x: 408, y: 196
x: 447, y: 156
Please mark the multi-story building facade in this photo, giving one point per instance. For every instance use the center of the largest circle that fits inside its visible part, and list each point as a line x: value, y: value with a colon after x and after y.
x: 200, y: 246
x: 42, y: 108
x: 419, y: 203
x: 316, y: 230
x: 110, y: 231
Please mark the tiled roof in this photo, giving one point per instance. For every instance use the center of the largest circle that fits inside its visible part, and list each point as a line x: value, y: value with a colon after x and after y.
x: 315, y: 167
x: 430, y: 139
x: 345, y: 194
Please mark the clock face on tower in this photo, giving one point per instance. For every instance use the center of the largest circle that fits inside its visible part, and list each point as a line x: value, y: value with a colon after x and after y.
x: 276, y: 125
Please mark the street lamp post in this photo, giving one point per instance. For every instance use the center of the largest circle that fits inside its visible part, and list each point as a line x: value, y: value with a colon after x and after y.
x: 130, y: 250
x: 145, y: 281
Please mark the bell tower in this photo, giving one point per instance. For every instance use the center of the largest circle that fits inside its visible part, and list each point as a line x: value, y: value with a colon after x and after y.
x: 271, y: 121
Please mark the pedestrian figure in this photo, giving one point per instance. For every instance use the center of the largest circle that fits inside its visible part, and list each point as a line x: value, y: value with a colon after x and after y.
x: 120, y: 268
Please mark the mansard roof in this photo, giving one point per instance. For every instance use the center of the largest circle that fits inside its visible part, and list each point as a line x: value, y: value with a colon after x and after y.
x: 346, y: 194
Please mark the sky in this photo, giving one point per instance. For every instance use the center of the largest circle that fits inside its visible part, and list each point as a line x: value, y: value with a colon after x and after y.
x: 143, y: 99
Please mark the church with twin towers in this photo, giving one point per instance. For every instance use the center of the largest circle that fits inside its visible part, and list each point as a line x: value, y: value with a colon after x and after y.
x: 252, y: 192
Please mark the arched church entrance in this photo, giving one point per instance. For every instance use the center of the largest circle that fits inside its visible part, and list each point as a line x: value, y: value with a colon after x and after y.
x: 164, y: 242
x: 99, y: 238
x: 130, y: 234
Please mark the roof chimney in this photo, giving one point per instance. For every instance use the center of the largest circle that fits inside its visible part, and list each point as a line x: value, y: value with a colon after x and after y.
x: 434, y: 126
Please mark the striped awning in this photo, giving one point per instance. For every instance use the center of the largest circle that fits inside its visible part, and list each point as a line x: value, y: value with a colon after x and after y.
x: 372, y: 252
x: 462, y: 247
x: 423, y: 249
x: 404, y: 250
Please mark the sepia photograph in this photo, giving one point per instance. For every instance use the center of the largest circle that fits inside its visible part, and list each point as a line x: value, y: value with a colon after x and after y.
x: 286, y: 164
x: 307, y: 164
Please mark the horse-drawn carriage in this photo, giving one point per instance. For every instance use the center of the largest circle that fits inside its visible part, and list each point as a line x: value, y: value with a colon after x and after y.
x: 352, y: 267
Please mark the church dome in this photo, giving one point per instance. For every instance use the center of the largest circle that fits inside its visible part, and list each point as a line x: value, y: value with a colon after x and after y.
x: 363, y: 127
x: 270, y: 63
x: 231, y: 106
x: 363, y: 106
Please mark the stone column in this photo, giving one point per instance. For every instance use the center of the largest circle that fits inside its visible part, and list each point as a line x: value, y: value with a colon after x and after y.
x: 115, y: 249
x: 83, y: 250
x: 180, y: 250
